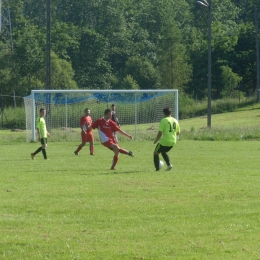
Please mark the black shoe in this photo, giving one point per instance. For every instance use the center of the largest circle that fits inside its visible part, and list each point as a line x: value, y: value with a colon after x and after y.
x: 131, y: 154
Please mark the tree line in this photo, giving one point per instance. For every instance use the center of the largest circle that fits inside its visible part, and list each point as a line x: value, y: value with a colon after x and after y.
x: 130, y: 44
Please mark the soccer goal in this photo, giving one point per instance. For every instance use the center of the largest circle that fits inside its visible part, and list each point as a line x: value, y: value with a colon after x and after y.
x: 139, y: 111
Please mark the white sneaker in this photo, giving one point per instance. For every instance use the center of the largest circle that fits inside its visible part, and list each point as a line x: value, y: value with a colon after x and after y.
x: 169, y: 167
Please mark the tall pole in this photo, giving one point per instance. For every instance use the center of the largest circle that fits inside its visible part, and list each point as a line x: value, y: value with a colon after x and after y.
x: 207, y: 4
x: 209, y: 64
x: 48, y: 45
x: 257, y: 56
x: 0, y: 15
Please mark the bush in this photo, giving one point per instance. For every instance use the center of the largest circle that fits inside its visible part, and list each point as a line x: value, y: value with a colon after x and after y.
x: 189, y: 108
x: 12, y: 118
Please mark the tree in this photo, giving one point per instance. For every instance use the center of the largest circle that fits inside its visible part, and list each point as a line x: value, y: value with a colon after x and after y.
x: 90, y: 62
x: 229, y: 81
x: 143, y: 72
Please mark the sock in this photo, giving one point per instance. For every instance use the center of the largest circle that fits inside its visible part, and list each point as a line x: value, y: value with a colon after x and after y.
x: 38, y: 150
x: 115, y: 160
x: 156, y: 161
x: 78, y: 149
x: 166, y: 158
x: 121, y: 150
x: 91, y: 149
x: 44, y: 153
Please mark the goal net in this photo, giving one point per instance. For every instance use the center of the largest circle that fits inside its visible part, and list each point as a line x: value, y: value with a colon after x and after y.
x: 138, y: 111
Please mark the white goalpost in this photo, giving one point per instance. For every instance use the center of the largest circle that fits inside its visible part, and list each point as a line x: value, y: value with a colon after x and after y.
x: 139, y: 111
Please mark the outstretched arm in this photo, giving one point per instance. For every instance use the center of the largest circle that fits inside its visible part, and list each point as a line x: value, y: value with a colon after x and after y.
x: 122, y: 132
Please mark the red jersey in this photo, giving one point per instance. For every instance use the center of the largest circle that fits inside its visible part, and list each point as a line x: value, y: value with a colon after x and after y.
x: 85, y: 121
x: 106, y: 129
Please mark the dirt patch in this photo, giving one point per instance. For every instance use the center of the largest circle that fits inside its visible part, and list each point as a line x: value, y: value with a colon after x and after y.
x: 17, y: 130
x: 152, y: 128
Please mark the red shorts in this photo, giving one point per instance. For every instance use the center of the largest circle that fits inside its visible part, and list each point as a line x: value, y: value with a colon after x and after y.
x: 108, y: 144
x: 88, y: 137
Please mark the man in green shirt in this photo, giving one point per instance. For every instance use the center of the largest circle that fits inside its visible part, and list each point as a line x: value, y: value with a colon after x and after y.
x: 169, y: 129
x: 42, y: 134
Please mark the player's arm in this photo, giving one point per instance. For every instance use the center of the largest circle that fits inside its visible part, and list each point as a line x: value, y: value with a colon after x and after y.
x: 93, y: 125
x: 38, y: 133
x: 84, y: 128
x: 88, y: 127
x: 122, y: 132
x: 159, y: 135
x: 83, y: 124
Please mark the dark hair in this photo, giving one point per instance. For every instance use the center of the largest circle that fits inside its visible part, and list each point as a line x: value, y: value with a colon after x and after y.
x: 107, y: 111
x: 167, y: 111
x: 86, y: 109
x: 42, y: 109
x: 113, y: 105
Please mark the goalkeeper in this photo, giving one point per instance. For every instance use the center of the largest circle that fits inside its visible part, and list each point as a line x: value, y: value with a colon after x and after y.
x: 42, y: 134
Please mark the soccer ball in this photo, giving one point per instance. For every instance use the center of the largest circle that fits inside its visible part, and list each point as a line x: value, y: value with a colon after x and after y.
x: 161, y: 164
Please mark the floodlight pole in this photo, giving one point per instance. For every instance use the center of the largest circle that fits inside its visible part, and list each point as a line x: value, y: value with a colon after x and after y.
x: 48, y: 45
x: 257, y: 56
x: 209, y: 6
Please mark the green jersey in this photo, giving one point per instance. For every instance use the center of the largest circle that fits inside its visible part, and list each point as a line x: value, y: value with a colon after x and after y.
x: 169, y: 126
x: 42, y: 127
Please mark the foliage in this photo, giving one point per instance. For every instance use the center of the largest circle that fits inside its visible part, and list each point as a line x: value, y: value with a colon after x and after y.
x: 230, y: 82
x: 106, y: 44
x: 129, y: 83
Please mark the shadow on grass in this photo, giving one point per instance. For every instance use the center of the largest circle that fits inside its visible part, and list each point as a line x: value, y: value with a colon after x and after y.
x: 110, y: 172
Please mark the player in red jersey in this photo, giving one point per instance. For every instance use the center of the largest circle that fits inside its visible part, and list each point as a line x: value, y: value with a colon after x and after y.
x: 86, y: 134
x: 106, y: 128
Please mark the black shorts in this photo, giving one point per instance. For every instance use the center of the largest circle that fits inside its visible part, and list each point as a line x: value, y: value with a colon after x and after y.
x: 162, y: 149
x: 43, y: 140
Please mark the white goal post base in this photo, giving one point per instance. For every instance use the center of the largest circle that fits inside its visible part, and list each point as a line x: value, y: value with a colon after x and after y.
x: 139, y: 111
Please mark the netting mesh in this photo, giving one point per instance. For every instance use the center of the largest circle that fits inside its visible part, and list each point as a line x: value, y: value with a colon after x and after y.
x: 138, y: 113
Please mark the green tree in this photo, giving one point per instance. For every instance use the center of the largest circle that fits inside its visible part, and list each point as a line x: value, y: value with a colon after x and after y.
x: 92, y: 70
x: 143, y: 72
x: 129, y: 83
x: 229, y: 81
x: 173, y: 60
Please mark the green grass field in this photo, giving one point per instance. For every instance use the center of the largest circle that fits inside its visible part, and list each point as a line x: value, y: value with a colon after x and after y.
x: 74, y: 207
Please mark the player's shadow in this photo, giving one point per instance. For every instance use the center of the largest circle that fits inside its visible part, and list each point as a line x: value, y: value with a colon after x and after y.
x: 110, y: 172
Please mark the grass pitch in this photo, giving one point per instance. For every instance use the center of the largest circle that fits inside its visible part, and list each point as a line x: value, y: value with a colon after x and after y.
x: 74, y: 207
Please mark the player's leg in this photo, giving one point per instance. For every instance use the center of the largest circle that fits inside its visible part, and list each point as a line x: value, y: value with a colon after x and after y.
x: 83, y: 143
x: 40, y: 148
x: 91, y: 143
x: 37, y: 151
x: 165, y: 156
x: 115, y: 149
x: 123, y: 151
x: 91, y: 148
x: 156, y: 159
x: 44, y: 147
x: 79, y: 148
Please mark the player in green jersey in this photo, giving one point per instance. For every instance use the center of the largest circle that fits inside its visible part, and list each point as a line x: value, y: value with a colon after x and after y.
x: 42, y: 134
x: 169, y: 129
